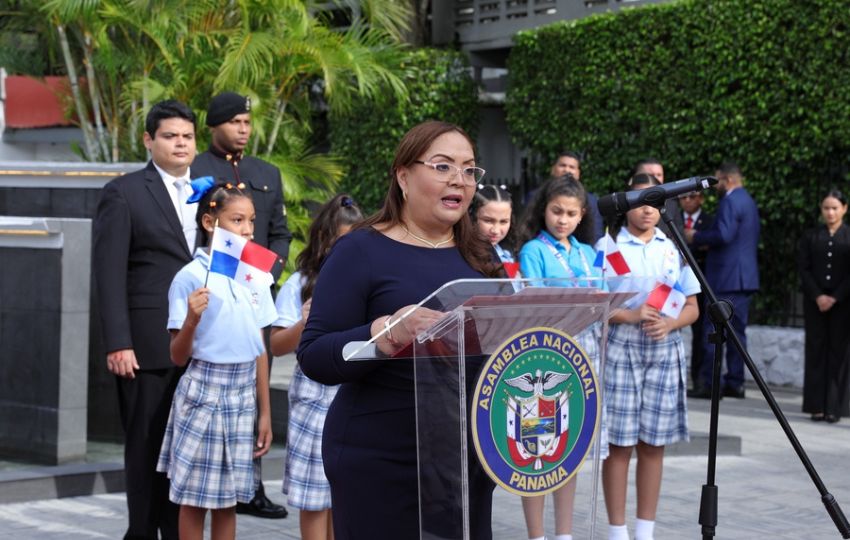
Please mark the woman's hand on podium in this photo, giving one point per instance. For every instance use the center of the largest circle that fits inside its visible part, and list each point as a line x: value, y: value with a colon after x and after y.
x: 415, y: 322
x: 403, y: 326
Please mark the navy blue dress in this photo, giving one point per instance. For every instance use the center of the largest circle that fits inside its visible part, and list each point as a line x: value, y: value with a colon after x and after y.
x: 369, y: 441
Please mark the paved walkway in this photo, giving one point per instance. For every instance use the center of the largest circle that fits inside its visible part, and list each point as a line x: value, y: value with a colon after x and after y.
x: 764, y: 493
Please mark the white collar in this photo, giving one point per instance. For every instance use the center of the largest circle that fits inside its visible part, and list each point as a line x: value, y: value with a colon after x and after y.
x: 693, y: 216
x: 167, y: 178
x: 627, y: 237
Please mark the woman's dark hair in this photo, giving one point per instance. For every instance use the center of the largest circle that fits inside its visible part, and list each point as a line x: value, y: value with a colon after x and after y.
x: 835, y: 193
x: 337, y: 212
x: 534, y: 218
x: 636, y: 181
x: 214, y: 201
x: 475, y: 250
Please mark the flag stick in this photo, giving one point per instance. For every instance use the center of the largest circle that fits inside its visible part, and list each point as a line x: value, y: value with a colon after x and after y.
x: 206, y: 279
x: 605, y: 252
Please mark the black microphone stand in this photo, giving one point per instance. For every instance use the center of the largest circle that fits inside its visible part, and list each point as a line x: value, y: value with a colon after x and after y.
x: 720, y: 313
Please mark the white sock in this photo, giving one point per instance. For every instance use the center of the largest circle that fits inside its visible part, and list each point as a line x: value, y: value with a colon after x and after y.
x: 563, y: 537
x: 644, y: 529
x: 618, y: 532
x: 538, y: 538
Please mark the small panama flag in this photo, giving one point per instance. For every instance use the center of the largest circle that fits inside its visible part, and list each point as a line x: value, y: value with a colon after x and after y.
x: 667, y: 299
x: 241, y: 260
x: 609, y: 258
x: 512, y: 268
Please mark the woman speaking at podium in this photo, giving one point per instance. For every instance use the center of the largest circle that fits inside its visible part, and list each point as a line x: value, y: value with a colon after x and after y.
x: 420, y: 239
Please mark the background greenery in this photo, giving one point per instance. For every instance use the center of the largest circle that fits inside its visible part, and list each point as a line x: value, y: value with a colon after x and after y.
x: 764, y: 83
x: 297, y: 59
x: 439, y: 87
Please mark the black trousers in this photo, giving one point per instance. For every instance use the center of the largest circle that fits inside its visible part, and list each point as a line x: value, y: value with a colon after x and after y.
x: 696, y: 342
x: 145, y: 403
x: 826, y: 384
x: 734, y: 376
x: 258, y: 462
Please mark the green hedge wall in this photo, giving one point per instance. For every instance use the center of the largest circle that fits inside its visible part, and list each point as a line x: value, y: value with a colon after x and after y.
x: 765, y: 83
x: 440, y: 87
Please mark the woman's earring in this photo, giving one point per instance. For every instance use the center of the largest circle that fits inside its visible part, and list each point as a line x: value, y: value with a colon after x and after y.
x: 404, y: 195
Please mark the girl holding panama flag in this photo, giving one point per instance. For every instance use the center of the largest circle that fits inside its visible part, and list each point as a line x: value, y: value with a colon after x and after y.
x: 218, y: 305
x: 645, y: 370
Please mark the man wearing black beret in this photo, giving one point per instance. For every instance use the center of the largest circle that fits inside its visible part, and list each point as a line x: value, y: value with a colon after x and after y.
x: 229, y: 120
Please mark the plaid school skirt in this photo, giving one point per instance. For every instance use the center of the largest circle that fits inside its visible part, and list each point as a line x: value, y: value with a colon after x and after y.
x: 304, y: 480
x: 645, y: 387
x: 208, y: 446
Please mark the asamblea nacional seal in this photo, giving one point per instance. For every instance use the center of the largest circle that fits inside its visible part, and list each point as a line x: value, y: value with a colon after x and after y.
x: 535, y: 411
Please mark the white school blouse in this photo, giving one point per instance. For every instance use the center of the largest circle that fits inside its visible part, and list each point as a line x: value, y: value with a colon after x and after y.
x: 229, y: 330
x: 657, y: 258
x: 288, y: 303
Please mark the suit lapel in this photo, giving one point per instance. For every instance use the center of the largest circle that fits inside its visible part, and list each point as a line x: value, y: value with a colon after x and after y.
x: 160, y: 195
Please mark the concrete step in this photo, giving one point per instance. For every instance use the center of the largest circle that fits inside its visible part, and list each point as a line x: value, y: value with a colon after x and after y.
x: 103, y: 471
x: 82, y: 479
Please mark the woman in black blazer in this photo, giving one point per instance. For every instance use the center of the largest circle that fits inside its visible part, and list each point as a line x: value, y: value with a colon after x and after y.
x: 824, y: 265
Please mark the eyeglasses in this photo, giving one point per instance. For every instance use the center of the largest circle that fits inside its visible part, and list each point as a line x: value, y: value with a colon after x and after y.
x: 445, y: 171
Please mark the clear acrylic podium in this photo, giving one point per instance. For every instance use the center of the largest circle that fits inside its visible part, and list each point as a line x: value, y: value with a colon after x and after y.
x: 457, y: 453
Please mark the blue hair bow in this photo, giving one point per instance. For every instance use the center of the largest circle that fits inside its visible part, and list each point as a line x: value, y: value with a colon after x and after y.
x: 199, y: 187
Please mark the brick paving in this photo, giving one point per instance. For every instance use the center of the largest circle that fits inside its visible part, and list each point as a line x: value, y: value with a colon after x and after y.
x: 764, y: 492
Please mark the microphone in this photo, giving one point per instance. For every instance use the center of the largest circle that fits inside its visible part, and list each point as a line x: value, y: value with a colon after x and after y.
x: 621, y: 202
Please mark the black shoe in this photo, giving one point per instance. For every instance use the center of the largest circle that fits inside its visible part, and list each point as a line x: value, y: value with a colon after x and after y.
x: 733, y: 392
x: 700, y: 392
x: 831, y: 419
x: 261, y: 506
x: 818, y: 417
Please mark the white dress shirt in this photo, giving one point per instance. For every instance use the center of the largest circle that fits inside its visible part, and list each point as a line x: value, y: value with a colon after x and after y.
x: 185, y: 211
x: 694, y: 217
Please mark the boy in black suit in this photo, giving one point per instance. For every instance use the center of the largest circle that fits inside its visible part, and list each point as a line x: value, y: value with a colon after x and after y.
x: 144, y: 232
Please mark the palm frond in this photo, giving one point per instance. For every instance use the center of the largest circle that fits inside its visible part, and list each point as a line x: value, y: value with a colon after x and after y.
x: 390, y: 16
x: 248, y: 58
x: 68, y: 11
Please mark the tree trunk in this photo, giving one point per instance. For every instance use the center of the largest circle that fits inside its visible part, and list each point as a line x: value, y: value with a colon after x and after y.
x: 278, y: 119
x: 146, y: 105
x: 95, y: 96
x: 256, y: 146
x: 134, y: 127
x: 88, y: 136
x: 115, y: 154
x: 417, y: 33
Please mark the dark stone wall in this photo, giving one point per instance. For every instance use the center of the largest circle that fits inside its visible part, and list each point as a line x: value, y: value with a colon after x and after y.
x: 103, y: 418
x: 30, y: 286
x: 48, y: 202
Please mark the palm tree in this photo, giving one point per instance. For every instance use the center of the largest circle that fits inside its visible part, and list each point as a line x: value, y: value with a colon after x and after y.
x: 283, y: 53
